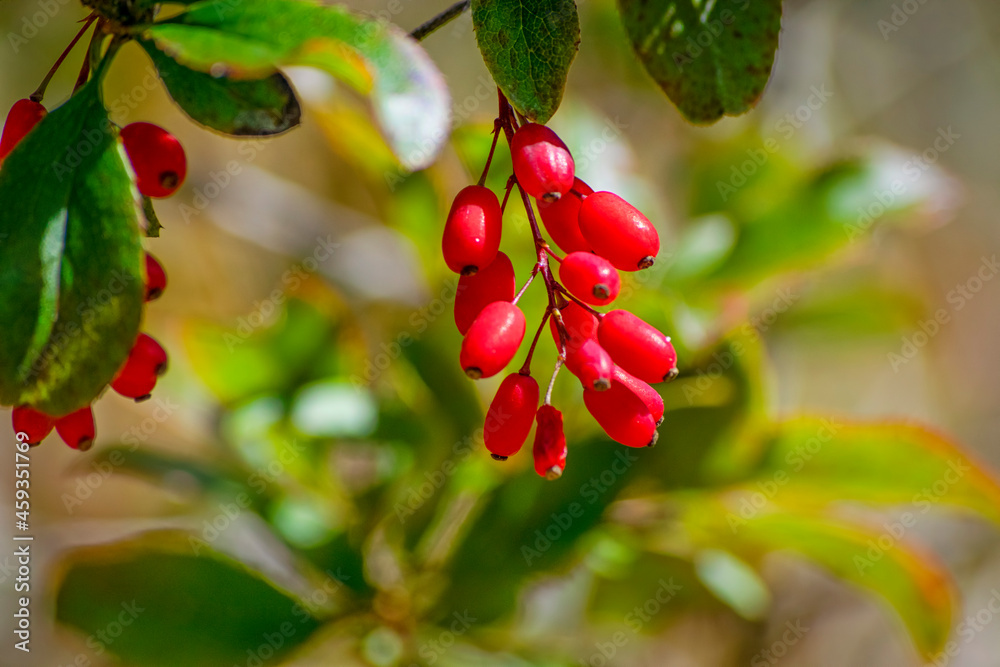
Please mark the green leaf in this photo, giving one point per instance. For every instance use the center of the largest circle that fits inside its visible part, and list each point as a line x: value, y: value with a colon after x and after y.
x: 818, y: 460
x: 256, y: 108
x: 711, y: 58
x: 252, y: 38
x: 71, y: 276
x: 528, y: 48
x: 177, y: 607
x: 913, y: 583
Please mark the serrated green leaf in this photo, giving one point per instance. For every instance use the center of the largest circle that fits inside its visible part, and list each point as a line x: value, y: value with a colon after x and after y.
x: 528, y: 48
x: 71, y: 281
x: 252, y: 38
x: 179, y: 607
x: 251, y: 108
x: 712, y: 58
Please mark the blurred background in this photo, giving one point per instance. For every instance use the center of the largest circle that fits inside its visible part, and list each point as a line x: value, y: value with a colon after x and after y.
x: 308, y: 484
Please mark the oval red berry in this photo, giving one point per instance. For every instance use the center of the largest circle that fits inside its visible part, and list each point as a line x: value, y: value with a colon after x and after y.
x: 591, y: 364
x: 22, y: 118
x: 146, y: 360
x: 156, y: 278
x: 77, y: 429
x: 494, y: 283
x: 472, y: 231
x: 157, y: 158
x: 33, y: 424
x: 637, y: 347
x: 492, y: 340
x: 542, y: 162
x: 511, y: 413
x: 617, y: 231
x: 622, y: 415
x: 562, y: 219
x: 590, y: 278
x: 648, y: 395
x: 549, y: 449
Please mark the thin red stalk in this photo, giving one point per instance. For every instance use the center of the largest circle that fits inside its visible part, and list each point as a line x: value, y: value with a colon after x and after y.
x: 39, y: 93
x: 552, y: 254
x: 510, y: 186
x: 526, y: 366
x: 493, y: 147
x: 534, y: 272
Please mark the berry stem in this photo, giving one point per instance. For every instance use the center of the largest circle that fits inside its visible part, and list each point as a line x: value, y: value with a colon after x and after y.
x: 510, y: 186
x: 548, y: 249
x: 441, y: 19
x: 486, y: 170
x: 552, y: 381
x: 534, y: 272
x: 39, y: 93
x: 526, y: 366
x: 583, y: 305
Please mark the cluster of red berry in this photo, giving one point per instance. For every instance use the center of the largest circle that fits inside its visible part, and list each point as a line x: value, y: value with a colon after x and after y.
x: 159, y: 166
x: 615, y: 354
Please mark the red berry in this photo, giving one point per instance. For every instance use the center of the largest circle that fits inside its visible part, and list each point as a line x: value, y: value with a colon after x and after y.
x: 589, y: 362
x: 494, y: 283
x: 562, y: 219
x: 622, y: 415
x: 157, y: 158
x: 550, y: 443
x: 580, y: 323
x: 509, y: 418
x: 618, y: 231
x: 77, y: 429
x: 542, y: 163
x: 472, y: 231
x: 34, y: 424
x: 21, y: 119
x: 637, y: 347
x: 590, y: 278
x: 137, y: 377
x: 492, y: 340
x: 648, y: 395
x: 156, y: 278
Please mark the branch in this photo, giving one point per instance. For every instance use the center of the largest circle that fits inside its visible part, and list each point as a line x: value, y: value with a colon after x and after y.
x: 441, y: 19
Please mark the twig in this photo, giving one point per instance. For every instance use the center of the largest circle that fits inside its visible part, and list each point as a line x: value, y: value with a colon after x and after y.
x: 441, y: 19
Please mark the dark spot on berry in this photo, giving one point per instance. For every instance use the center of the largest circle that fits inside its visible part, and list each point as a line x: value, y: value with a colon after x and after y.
x: 153, y: 293
x: 671, y: 375
x: 646, y: 262
x: 470, y: 270
x: 555, y: 472
x: 140, y: 399
x: 160, y: 369
x: 602, y: 384
x: 497, y: 457
x: 660, y: 422
x: 84, y: 444
x: 601, y: 291
x: 169, y: 179
x: 474, y: 372
x: 656, y: 436
x: 551, y: 197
